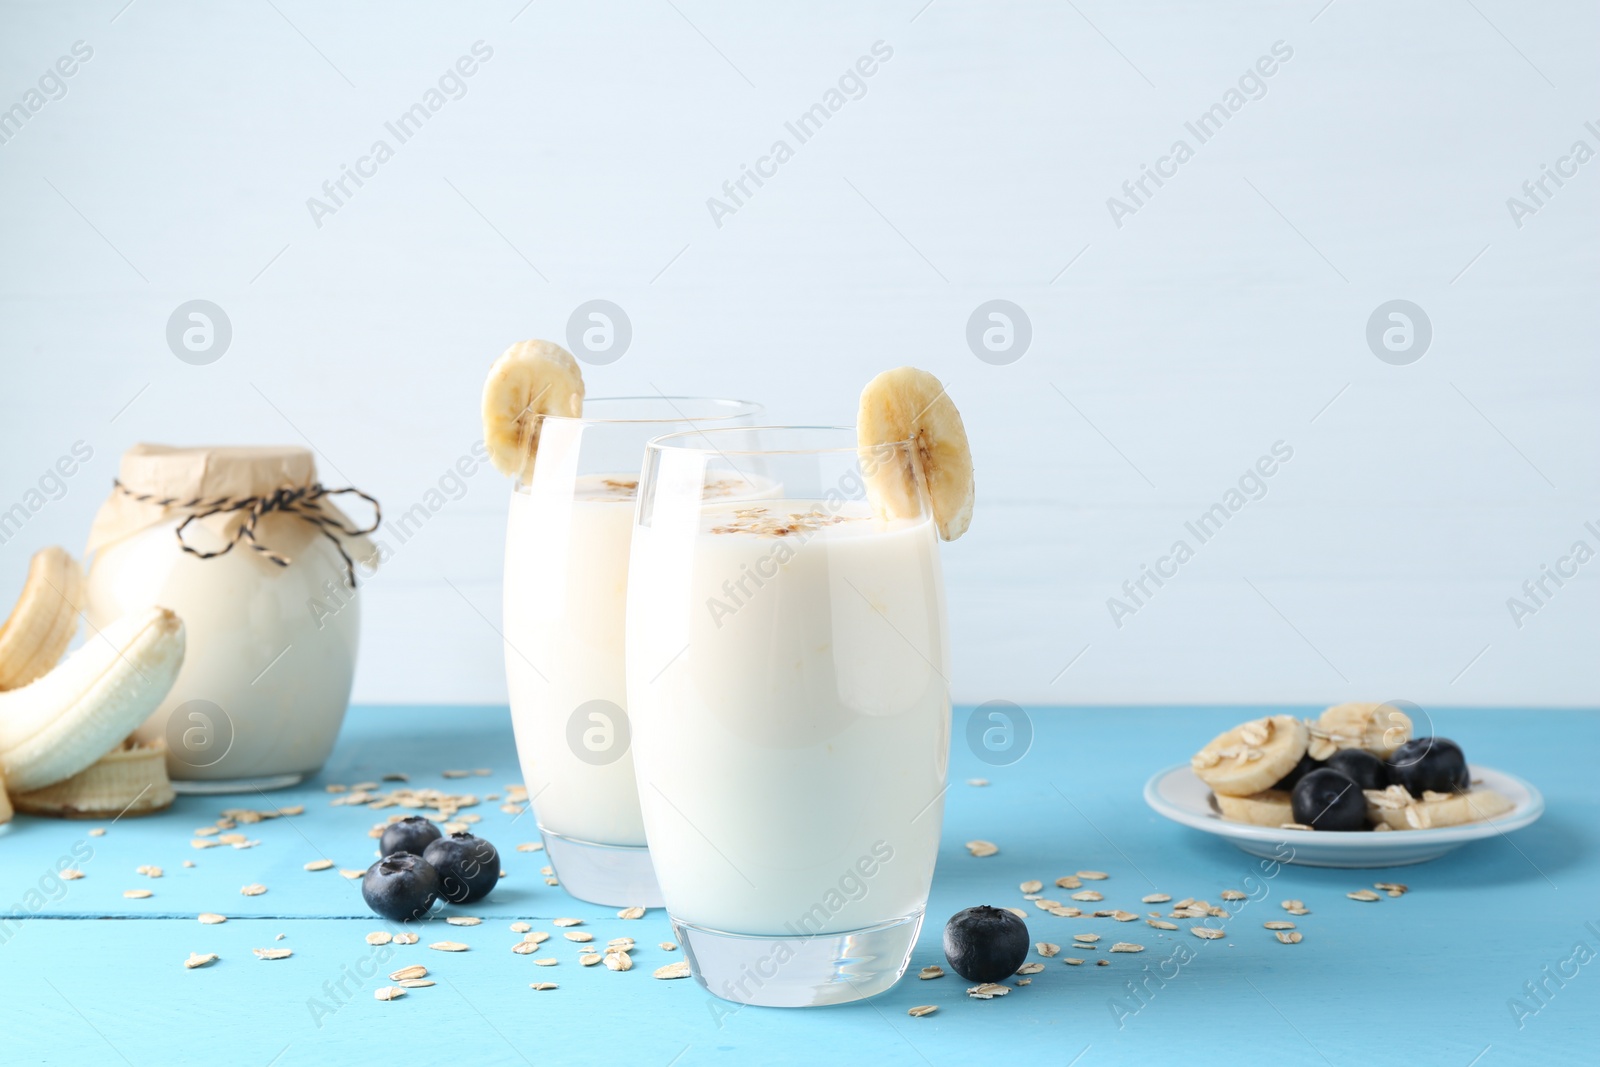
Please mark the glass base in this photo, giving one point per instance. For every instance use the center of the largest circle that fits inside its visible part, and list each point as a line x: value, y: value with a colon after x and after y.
x: 799, y: 972
x: 236, y: 785
x: 618, y: 876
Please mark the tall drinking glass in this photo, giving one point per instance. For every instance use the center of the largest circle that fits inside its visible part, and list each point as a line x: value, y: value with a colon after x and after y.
x: 566, y: 579
x: 787, y: 665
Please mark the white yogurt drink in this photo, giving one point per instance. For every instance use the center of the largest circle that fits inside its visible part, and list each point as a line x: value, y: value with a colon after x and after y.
x: 787, y: 680
x: 565, y: 596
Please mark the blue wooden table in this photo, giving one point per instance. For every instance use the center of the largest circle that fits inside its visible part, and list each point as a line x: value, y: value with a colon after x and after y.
x: 1486, y: 961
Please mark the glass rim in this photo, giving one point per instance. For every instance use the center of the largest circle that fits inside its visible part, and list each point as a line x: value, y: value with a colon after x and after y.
x: 670, y: 442
x: 736, y: 408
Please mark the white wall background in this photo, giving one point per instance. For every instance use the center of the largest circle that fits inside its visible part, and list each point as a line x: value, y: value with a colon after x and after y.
x: 1168, y: 354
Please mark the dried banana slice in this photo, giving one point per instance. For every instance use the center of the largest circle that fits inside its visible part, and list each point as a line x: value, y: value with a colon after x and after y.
x: 907, y: 404
x: 531, y: 379
x: 1251, y: 757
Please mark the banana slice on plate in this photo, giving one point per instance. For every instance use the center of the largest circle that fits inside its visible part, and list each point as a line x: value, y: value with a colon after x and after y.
x: 531, y: 379
x: 1251, y: 757
x: 1270, y: 807
x: 907, y: 404
x: 41, y: 626
x: 1399, y: 810
x: 1376, y: 728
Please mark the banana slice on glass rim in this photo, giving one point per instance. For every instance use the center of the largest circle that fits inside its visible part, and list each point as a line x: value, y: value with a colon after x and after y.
x: 530, y: 380
x: 907, y: 404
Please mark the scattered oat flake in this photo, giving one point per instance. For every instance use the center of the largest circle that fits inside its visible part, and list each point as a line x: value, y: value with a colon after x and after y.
x: 1298, y: 911
x: 589, y: 959
x: 1088, y: 895
x: 417, y: 983
x: 525, y: 948
x: 319, y: 865
x: 137, y: 894
x: 1094, y: 876
x: 1363, y: 894
x: 546, y: 961
x: 197, y: 959
x: 186, y: 863
x: 1072, y: 961
x: 211, y: 918
x: 542, y: 986
x: 449, y: 946
x: 982, y: 848
x: 1018, y: 912
x: 635, y: 912
x: 204, y: 842
x: 1124, y: 916
x: 97, y: 832
x: 1289, y: 905
x: 1031, y: 886
x: 566, y: 922
x: 1126, y: 946
x: 537, y: 937
x: 930, y: 972
x: 1102, y: 963
x: 978, y: 781
x: 668, y: 946
x: 618, y: 961
x: 1066, y: 913
x: 1156, y: 898
x: 922, y: 1009
x: 1068, y: 881
x: 1086, y: 939
x: 406, y: 939
x: 272, y: 953
x: 988, y: 991
x: 454, y: 774
x: 72, y: 874
x: 582, y: 937
x: 351, y: 873
x: 1207, y: 932
x: 463, y: 920
x: 679, y: 969
x: 1234, y: 894
x: 520, y: 928
x: 149, y: 871
x: 1024, y: 981
x: 531, y: 846
x: 254, y: 889
x: 232, y: 839
x: 388, y: 992
x: 380, y: 937
x: 416, y: 970
x: 1047, y: 949
x: 1030, y: 968
x: 1288, y: 937
x: 1279, y: 925
x: 1394, y: 889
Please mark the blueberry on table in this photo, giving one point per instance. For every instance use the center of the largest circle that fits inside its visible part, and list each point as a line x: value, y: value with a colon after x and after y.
x: 1327, y: 799
x: 468, y: 867
x: 401, y: 886
x: 1360, y: 766
x: 985, y: 944
x: 1425, y: 763
x: 412, y: 834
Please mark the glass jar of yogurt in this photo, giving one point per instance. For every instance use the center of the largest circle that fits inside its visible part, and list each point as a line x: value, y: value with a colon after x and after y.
x: 247, y: 548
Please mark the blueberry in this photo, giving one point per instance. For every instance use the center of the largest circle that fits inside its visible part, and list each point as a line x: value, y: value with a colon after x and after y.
x: 1327, y: 799
x: 468, y: 867
x: 985, y: 944
x: 412, y: 834
x: 1301, y: 769
x: 1424, y: 763
x: 401, y: 886
x: 1361, y: 767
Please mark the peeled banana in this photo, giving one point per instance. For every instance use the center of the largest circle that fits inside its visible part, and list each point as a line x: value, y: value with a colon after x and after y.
x: 1251, y: 757
x: 44, y: 620
x: 1377, y: 728
x: 1270, y: 807
x: 131, y: 779
x: 1399, y: 810
x: 61, y: 723
x: 907, y: 404
x: 531, y: 379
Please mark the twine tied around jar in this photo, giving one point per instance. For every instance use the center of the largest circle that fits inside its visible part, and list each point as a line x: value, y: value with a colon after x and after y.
x: 299, y: 501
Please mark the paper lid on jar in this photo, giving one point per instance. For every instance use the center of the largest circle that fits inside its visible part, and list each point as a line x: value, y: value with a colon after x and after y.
x: 156, y: 483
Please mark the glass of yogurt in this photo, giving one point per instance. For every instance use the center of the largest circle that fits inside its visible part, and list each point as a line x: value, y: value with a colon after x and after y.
x: 566, y: 580
x: 787, y: 686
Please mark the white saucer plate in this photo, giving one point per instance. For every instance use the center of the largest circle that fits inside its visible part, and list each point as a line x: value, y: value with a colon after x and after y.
x: 1179, y: 795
